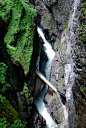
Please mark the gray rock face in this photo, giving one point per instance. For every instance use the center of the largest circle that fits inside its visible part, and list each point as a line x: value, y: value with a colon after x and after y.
x: 39, y: 85
x: 79, y: 68
x: 52, y: 16
x: 28, y: 111
x: 35, y: 84
x: 60, y: 21
x: 61, y: 59
x: 51, y: 19
x: 54, y: 107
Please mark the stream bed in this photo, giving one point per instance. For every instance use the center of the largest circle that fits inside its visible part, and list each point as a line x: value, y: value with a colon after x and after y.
x: 50, y: 123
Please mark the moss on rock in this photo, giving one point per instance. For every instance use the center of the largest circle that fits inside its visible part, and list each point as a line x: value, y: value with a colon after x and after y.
x: 18, y: 15
x: 27, y: 93
x: 11, y: 113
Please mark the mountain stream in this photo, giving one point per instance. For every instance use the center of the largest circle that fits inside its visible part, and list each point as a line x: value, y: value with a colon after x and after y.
x: 50, y: 123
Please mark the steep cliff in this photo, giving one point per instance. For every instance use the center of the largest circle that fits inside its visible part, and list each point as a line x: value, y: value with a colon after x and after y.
x: 18, y: 54
x: 79, y: 58
x: 53, y: 18
x: 63, y: 23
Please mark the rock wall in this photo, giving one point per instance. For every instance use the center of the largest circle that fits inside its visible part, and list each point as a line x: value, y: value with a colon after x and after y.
x: 54, y: 107
x: 53, y: 18
x: 79, y: 59
x: 35, y: 84
x: 24, y: 106
x: 60, y: 21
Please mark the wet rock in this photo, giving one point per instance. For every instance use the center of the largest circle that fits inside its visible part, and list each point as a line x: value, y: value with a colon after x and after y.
x: 43, y: 61
x: 39, y: 85
x: 35, y: 84
x: 69, y: 50
x: 28, y: 111
x: 54, y: 107
x: 52, y: 15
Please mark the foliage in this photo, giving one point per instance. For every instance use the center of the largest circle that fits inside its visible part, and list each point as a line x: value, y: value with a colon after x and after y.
x: 82, y: 32
x: 48, y: 21
x: 2, y: 98
x: 82, y: 28
x: 7, y: 112
x: 65, y: 24
x: 61, y: 83
x: 3, y: 69
x: 17, y: 123
x: 83, y: 6
x: 57, y: 35
x: 10, y: 116
x: 18, y: 16
x: 35, y: 126
x: 59, y: 44
x: 9, y: 109
x: 5, y: 86
x: 27, y: 93
x: 83, y: 90
x: 3, y: 122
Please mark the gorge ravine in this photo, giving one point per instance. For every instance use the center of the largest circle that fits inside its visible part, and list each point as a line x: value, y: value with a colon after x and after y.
x: 64, y: 24
x: 50, y: 123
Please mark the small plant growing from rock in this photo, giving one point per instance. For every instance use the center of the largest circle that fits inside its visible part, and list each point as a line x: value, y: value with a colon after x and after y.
x: 17, y: 123
x: 65, y: 24
x: 3, y: 122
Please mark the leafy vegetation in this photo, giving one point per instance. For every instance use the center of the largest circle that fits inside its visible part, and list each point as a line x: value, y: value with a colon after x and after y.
x: 3, y: 69
x: 17, y: 123
x: 8, y: 115
x: 18, y: 16
x: 65, y: 24
x: 27, y: 93
x: 3, y: 123
x: 82, y: 28
x: 4, y: 85
x: 82, y: 32
x: 59, y: 44
x: 83, y: 90
x: 48, y: 21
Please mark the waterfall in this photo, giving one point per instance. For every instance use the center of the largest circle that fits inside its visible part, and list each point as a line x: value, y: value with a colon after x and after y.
x: 46, y: 2
x: 48, y: 48
x: 50, y: 123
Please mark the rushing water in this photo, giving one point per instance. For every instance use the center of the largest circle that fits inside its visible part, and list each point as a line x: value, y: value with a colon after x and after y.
x: 50, y: 123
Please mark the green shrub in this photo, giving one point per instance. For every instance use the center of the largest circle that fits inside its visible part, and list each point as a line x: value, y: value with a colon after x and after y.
x: 18, y: 16
x: 9, y: 113
x: 9, y: 109
x: 65, y: 24
x: 17, y: 124
x: 2, y: 98
x: 3, y: 69
x: 3, y: 122
x: 27, y: 93
x: 5, y: 86
x: 82, y: 32
x: 82, y: 28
